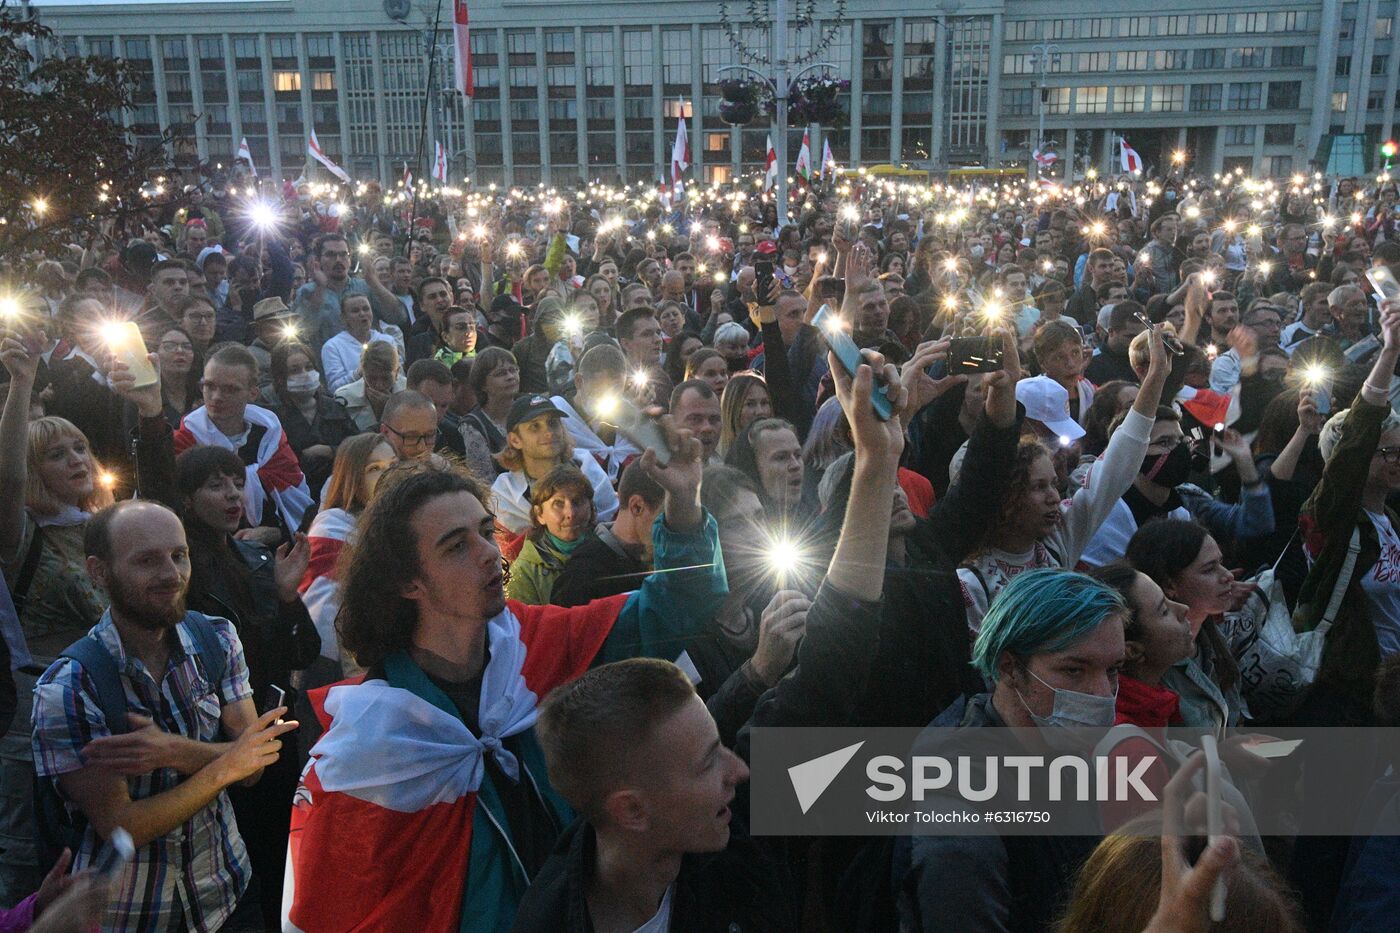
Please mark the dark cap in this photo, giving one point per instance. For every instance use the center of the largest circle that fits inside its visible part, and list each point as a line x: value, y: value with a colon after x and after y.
x: 528, y: 408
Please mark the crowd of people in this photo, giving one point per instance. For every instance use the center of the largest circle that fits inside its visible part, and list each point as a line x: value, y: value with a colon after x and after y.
x: 433, y: 567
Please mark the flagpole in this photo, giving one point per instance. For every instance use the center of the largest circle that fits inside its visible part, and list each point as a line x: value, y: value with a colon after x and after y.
x: 423, y: 129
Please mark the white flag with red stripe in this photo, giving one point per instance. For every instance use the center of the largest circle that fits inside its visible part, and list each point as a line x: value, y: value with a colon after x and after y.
x: 463, y: 56
x: 828, y: 160
x: 439, y: 163
x: 1131, y: 161
x: 245, y: 153
x: 407, y: 180
x: 313, y: 149
x: 804, y: 156
x: 770, y: 174
x: 680, y: 159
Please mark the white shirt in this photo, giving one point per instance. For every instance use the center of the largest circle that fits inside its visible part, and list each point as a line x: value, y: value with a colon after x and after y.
x: 661, y: 922
x: 340, y: 357
x: 513, y: 494
x: 1381, y: 584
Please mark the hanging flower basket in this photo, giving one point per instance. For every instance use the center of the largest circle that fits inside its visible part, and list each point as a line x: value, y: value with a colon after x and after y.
x: 741, y: 98
x: 738, y: 112
x: 816, y: 100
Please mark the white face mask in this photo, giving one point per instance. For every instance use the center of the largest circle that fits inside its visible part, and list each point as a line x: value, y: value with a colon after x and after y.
x: 1072, y: 709
x: 304, y: 383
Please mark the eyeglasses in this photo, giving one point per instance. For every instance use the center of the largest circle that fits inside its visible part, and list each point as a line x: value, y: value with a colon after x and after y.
x: 412, y: 440
x: 170, y: 346
x: 1391, y: 454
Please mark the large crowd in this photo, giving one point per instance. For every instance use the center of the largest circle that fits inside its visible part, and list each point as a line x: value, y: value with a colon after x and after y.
x: 432, y: 562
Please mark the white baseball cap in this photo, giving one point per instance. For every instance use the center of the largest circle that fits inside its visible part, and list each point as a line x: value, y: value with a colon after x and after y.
x: 1047, y: 401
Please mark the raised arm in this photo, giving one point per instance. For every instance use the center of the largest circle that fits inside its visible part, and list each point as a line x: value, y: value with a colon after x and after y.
x: 14, y: 440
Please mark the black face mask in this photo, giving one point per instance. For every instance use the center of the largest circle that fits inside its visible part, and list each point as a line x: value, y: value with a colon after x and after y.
x: 1169, y: 469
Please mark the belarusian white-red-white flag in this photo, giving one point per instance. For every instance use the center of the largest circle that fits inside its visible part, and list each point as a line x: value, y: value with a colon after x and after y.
x: 407, y: 180
x: 680, y: 159
x: 439, y: 163
x: 770, y: 174
x: 462, y: 59
x: 313, y: 149
x: 245, y: 153
x: 1045, y: 156
x: 828, y: 160
x: 1132, y: 162
x: 804, y: 156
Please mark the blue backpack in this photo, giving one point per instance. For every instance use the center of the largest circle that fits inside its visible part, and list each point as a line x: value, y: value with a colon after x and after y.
x: 56, y: 827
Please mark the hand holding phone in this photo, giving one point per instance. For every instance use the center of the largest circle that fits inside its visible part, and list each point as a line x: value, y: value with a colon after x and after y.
x: 639, y: 428
x: 848, y: 355
x: 114, y: 855
x: 968, y: 355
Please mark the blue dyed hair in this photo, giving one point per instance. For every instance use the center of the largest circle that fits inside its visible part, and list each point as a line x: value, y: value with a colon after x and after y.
x: 1040, y: 612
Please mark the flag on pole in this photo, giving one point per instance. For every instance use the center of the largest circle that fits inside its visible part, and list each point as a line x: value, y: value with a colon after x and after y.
x: 313, y: 149
x: 246, y: 154
x: 680, y: 158
x: 1131, y: 161
x: 407, y: 180
x: 804, y: 156
x: 828, y: 160
x: 463, y: 56
x: 1045, y: 156
x: 439, y: 163
x: 770, y: 175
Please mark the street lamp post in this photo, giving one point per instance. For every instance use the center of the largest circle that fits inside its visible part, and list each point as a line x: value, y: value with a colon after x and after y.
x: 1041, y: 54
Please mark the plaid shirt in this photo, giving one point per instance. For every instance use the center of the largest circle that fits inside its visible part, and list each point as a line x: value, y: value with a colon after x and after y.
x: 198, y: 871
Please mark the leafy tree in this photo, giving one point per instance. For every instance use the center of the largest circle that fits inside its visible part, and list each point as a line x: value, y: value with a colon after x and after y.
x: 70, y: 167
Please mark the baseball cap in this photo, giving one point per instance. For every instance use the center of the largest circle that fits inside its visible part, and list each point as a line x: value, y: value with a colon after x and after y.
x: 1047, y: 401
x: 528, y: 408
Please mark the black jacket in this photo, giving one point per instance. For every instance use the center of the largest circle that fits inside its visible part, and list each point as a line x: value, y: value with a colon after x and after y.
x: 598, y: 568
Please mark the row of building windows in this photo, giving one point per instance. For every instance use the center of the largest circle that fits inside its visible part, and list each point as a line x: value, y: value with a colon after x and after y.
x: 1283, y: 56
x: 1107, y: 27
x: 1160, y: 98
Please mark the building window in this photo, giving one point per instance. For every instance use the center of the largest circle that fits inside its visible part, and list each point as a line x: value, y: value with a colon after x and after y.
x: 1339, y: 101
x: 525, y: 109
x: 1169, y: 98
x: 137, y: 50
x: 636, y: 57
x: 484, y: 42
x: 323, y: 80
x: 1170, y: 60
x: 600, y: 108
x: 283, y: 46
x: 1059, y: 29
x: 520, y: 42
x: 1239, y: 135
x: 1380, y: 64
x: 559, y: 42
x: 1018, y: 102
x: 1213, y: 23
x: 1021, y: 30
x: 598, y: 59
x: 1294, y: 21
x: 245, y: 47
x: 1279, y: 134
x: 1098, y: 27
x: 522, y: 76
x: 1130, y: 99
x: 562, y: 108
x: 1205, y: 97
x: 560, y: 75
x: 101, y: 47
x: 286, y: 81
x: 1384, y: 26
x: 675, y: 56
x: 1173, y: 25
x: 250, y: 81
x: 172, y: 48
x: 1091, y: 100
x: 1251, y: 22
x: 1347, y: 28
x: 1288, y: 56
x: 1208, y: 59
x: 1375, y: 100
x: 1285, y: 95
x: 1134, y: 26
x: 1280, y: 166
x: 1244, y: 95
x: 1056, y: 99
x: 1248, y: 57
x: 1134, y: 61
x: 320, y: 46
x: 1021, y: 64
x: 1343, y: 66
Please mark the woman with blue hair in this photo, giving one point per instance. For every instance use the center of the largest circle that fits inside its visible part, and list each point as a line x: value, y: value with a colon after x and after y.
x: 1050, y: 646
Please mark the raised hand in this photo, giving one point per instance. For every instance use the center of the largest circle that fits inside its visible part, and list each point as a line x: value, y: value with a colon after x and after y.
x: 680, y: 477
x: 293, y: 557
x: 780, y: 628
x: 881, y: 440
x: 922, y: 387
x: 147, y: 399
x: 258, y: 747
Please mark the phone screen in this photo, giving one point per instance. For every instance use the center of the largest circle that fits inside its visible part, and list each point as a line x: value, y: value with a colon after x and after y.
x: 848, y: 355
x: 763, y: 279
x: 1383, y: 281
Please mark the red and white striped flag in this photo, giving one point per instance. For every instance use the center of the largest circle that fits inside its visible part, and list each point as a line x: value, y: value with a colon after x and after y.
x: 828, y: 160
x: 407, y: 180
x: 313, y: 149
x: 463, y: 56
x: 680, y: 159
x: 804, y: 156
x: 439, y: 163
x: 1132, y: 162
x: 245, y: 153
x: 770, y: 174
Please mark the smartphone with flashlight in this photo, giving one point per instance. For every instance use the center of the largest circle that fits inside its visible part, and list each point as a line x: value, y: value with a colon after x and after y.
x: 967, y: 355
x: 763, y: 279
x: 1322, y: 400
x: 127, y: 344
x: 114, y: 855
x: 639, y: 428
x: 273, y: 697
x: 1384, y: 282
x: 848, y: 355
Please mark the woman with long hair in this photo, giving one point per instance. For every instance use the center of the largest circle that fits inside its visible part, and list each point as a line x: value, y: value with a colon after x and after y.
x: 744, y: 401
x: 1183, y: 559
x: 561, y: 518
x: 495, y: 380
x: 708, y: 365
x: 604, y: 295
x: 181, y: 368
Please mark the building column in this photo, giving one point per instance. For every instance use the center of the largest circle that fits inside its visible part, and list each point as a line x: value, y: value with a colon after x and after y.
x: 938, y: 136
x: 1106, y: 166
x: 619, y: 120
x: 1217, y: 152
x: 658, y: 120
x: 381, y: 120
x: 158, y: 80
x: 274, y: 136
x: 1258, y: 154
x: 857, y: 88
x: 897, y: 93
x: 201, y: 123
x: 1362, y: 44
x: 235, y: 106
x: 1323, y: 70
x: 581, y: 104
x: 1066, y: 154
x: 503, y: 88
x: 697, y: 105
x: 342, y: 107
x: 308, y: 119
x: 542, y: 98
x: 1392, y: 77
x: 993, y: 100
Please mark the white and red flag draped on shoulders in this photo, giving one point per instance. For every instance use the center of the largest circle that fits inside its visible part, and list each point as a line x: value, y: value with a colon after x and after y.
x: 770, y: 173
x: 313, y: 149
x: 1131, y: 161
x: 383, y: 818
x: 320, y: 587
x: 276, y: 472
x: 462, y: 58
x: 680, y: 159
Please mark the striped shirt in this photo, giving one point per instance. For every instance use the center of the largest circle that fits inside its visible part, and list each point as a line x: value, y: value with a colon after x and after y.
x: 192, y: 877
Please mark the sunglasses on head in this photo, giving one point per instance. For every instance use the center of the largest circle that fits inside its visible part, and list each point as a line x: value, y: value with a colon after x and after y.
x: 1174, y: 346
